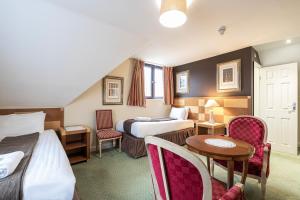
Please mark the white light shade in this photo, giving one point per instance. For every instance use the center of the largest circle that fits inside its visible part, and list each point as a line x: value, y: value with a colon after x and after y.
x: 173, y: 13
x: 211, y: 103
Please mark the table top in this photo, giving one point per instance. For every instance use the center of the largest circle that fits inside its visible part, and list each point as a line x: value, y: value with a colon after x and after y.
x: 210, y: 125
x: 242, y: 150
x: 85, y: 129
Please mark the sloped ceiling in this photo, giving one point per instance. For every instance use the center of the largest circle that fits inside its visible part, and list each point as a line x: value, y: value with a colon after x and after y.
x: 53, y: 50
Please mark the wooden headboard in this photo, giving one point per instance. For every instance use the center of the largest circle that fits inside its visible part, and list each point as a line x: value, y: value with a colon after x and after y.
x: 54, y: 116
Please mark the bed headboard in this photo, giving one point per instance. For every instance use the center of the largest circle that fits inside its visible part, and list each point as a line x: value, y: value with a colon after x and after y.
x: 54, y: 116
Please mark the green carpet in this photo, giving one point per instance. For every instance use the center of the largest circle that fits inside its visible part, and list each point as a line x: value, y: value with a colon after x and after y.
x: 119, y: 177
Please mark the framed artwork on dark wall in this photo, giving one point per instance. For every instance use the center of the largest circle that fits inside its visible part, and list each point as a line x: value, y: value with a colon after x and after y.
x: 112, y: 91
x: 182, y: 82
x: 229, y: 76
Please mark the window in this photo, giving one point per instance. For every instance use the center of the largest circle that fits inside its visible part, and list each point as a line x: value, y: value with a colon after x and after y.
x: 153, y: 78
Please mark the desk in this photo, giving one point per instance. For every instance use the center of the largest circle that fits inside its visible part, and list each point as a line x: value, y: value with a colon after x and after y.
x: 241, y: 152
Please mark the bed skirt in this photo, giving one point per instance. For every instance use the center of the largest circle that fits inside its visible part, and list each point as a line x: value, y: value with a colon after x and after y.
x: 135, y: 147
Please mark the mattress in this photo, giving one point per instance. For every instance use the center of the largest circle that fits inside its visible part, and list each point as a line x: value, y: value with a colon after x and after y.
x: 143, y: 129
x: 49, y: 174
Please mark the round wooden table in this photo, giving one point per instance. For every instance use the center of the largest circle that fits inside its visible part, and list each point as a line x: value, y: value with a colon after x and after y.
x: 241, y: 152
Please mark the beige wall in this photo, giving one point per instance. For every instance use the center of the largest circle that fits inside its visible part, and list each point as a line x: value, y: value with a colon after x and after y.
x: 82, y: 110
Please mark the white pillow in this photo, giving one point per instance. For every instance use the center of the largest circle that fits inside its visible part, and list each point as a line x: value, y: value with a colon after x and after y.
x: 187, y: 109
x: 21, y: 124
x: 178, y: 113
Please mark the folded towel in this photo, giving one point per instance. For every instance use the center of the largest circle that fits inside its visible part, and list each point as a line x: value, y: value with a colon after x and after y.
x: 143, y: 118
x: 9, y: 162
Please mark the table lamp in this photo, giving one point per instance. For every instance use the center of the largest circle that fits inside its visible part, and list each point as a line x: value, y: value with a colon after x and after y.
x: 211, y: 103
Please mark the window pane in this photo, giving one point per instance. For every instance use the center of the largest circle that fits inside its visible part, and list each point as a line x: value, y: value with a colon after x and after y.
x: 147, y: 80
x: 159, y: 85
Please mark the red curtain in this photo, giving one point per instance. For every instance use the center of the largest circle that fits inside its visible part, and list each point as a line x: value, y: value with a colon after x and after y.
x: 137, y: 91
x: 168, y: 86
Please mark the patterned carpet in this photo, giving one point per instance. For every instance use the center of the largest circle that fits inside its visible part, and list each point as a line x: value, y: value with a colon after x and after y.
x: 119, y: 177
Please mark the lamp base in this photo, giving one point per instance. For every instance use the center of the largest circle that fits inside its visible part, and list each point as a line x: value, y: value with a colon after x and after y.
x: 211, y: 117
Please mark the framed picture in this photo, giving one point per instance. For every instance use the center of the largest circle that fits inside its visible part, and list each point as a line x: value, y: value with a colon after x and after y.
x: 229, y: 76
x: 182, y: 82
x: 112, y: 90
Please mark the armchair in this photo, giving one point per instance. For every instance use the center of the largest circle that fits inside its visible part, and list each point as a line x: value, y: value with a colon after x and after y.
x: 254, y: 131
x: 178, y: 174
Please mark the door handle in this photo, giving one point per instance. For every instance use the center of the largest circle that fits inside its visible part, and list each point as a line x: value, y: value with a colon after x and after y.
x: 293, y: 107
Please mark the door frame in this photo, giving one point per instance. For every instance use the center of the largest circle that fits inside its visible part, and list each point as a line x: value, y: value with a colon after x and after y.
x: 256, y: 89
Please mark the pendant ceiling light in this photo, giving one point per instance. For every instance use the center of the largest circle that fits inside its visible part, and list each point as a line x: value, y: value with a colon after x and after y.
x: 173, y: 13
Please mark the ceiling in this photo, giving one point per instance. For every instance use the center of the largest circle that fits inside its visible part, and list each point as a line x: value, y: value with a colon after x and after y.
x: 53, y: 50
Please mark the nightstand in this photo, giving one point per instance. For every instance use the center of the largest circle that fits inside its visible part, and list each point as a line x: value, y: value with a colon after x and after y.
x: 76, y: 142
x: 208, y: 128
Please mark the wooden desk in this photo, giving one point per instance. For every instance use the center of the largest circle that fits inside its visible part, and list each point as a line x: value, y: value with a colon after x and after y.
x: 216, y: 128
x: 241, y: 152
x: 76, y: 144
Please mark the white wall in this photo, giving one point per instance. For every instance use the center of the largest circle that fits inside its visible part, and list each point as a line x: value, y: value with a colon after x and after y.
x: 280, y: 54
x: 50, y: 55
x: 82, y: 110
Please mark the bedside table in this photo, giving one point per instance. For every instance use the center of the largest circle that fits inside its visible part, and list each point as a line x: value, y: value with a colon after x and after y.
x: 208, y: 128
x: 76, y: 142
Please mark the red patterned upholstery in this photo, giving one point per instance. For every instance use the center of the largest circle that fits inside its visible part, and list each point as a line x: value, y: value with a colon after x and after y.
x: 254, y: 165
x: 157, y: 170
x: 251, y: 130
x: 104, y: 119
x: 108, y: 134
x: 184, y: 180
x: 233, y: 193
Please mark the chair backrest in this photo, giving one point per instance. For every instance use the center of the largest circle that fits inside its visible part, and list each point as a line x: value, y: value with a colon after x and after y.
x: 249, y: 129
x: 104, y: 119
x: 177, y: 173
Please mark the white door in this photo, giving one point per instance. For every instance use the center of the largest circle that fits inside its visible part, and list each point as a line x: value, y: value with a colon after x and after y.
x: 278, y: 106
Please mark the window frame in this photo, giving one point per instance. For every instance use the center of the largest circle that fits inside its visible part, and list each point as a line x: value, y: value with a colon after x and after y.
x: 153, y: 67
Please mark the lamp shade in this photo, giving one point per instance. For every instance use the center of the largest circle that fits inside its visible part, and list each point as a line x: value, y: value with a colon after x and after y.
x: 173, y: 13
x: 211, y: 103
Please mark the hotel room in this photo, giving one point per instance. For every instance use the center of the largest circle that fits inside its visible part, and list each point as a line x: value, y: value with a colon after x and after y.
x: 155, y: 99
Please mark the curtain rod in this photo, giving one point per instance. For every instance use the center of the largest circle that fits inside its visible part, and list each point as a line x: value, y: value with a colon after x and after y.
x: 153, y: 63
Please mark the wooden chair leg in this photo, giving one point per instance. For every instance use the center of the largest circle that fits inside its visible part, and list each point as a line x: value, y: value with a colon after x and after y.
x: 120, y: 144
x: 212, y: 171
x: 100, y: 148
x: 114, y: 142
x: 263, y: 187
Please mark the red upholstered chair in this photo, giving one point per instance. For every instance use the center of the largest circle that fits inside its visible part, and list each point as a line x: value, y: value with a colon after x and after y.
x: 254, y: 131
x: 179, y: 174
x: 105, y: 130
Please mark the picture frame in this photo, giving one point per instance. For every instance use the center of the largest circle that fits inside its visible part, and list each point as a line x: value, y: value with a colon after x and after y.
x: 112, y: 93
x: 183, y: 82
x: 229, y: 76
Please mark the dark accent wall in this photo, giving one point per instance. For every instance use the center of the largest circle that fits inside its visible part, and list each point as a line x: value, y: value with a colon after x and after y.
x: 203, y: 74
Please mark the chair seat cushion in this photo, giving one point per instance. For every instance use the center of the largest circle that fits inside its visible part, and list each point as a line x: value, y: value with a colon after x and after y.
x: 218, y: 189
x: 254, y: 165
x: 108, y: 134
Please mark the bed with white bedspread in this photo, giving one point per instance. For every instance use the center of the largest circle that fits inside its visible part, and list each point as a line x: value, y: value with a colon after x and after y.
x: 49, y: 174
x: 175, y: 128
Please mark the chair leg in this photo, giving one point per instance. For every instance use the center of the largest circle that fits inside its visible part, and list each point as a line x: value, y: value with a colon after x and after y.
x: 100, y: 148
x: 212, y: 170
x: 120, y: 144
x: 114, y: 142
x: 263, y: 187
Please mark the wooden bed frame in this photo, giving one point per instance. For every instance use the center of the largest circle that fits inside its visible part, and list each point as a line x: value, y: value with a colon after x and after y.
x: 54, y: 116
